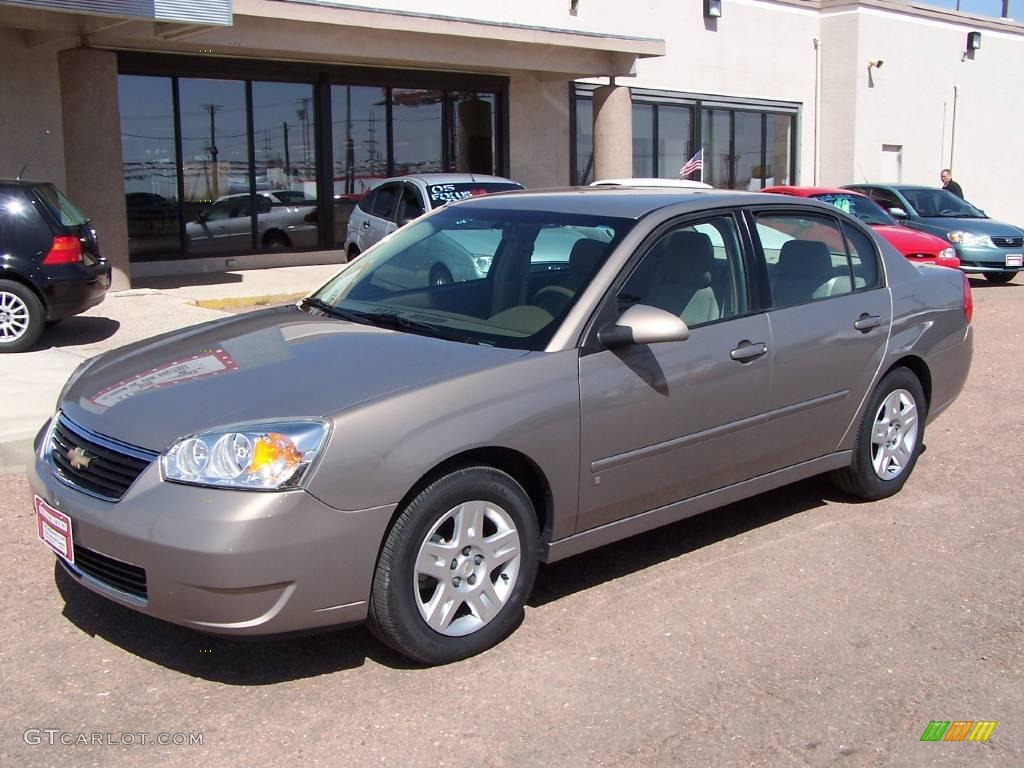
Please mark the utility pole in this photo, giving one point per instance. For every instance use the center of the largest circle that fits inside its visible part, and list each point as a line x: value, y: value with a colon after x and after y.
x: 215, y: 176
x: 287, y: 157
x: 350, y: 149
x: 1006, y: 9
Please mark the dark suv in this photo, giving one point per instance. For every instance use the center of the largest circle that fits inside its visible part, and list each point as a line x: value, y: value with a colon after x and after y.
x: 50, y: 263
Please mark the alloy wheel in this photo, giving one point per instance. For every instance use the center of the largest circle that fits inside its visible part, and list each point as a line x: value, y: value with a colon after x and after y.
x: 894, y: 434
x: 14, y: 317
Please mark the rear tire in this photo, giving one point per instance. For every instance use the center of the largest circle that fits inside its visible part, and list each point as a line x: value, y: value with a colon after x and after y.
x: 440, y: 275
x: 456, y: 567
x: 1000, y: 278
x: 277, y: 241
x: 353, y: 253
x: 22, y: 317
x: 889, y: 439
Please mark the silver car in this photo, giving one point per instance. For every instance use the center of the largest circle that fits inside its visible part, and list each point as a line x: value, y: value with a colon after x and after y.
x: 284, y: 219
x: 397, y: 201
x: 407, y: 455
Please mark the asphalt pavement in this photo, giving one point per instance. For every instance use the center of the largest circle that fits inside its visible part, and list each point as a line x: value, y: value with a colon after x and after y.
x: 794, y: 629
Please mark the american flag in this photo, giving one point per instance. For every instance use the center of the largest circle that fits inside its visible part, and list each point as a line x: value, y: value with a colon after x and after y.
x: 695, y: 163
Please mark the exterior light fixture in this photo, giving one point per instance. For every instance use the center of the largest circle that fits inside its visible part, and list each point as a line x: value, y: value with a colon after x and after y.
x: 973, y: 41
x: 713, y: 9
x: 574, y: 7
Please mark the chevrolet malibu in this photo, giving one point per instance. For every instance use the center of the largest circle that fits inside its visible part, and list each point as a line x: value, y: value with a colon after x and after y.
x: 407, y: 455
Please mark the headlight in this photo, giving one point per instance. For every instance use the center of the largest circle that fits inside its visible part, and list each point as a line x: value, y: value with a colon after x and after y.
x: 483, y: 263
x: 970, y: 240
x: 260, y: 457
x: 947, y: 253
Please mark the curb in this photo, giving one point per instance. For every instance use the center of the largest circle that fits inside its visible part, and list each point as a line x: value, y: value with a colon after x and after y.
x: 263, y: 299
x: 15, y: 452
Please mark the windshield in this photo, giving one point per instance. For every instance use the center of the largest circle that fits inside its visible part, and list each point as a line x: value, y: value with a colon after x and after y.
x: 60, y: 206
x: 440, y: 194
x: 941, y: 204
x: 476, y: 275
x: 862, y: 207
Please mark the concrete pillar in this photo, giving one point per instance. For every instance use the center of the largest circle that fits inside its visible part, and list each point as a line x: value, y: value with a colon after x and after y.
x: 613, y: 132
x: 92, y: 150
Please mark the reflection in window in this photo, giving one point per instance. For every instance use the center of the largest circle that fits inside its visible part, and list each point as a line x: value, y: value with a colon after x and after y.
x: 150, y: 164
x: 215, y: 165
x: 416, y: 128
x: 747, y: 151
x: 674, y: 140
x: 473, y: 132
x: 584, y: 142
x: 718, y: 157
x: 778, y: 140
x: 643, y: 140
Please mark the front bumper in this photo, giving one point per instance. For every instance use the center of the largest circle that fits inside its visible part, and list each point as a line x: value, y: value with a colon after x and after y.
x: 981, y: 260
x: 222, y: 561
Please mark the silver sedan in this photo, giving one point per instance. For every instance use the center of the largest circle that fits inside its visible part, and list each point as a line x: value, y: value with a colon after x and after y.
x: 406, y: 454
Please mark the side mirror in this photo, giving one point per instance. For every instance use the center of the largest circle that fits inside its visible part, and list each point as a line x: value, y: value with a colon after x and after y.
x: 643, y: 324
x: 898, y: 213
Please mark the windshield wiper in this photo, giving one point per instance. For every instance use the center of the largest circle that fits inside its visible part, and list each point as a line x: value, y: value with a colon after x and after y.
x: 333, y: 311
x: 397, y: 322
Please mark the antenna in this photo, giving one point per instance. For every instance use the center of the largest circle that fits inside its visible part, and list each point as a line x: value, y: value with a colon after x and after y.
x: 32, y: 157
x: 864, y: 175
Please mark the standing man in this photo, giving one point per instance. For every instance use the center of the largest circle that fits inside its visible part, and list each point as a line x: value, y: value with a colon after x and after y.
x: 949, y: 184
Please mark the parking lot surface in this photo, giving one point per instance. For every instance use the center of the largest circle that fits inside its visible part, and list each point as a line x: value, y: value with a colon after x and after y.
x: 795, y: 628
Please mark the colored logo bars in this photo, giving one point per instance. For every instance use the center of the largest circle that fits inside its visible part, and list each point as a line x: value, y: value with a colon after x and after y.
x: 958, y: 730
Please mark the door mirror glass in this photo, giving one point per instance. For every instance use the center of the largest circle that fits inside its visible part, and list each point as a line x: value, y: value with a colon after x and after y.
x: 899, y: 213
x: 643, y: 324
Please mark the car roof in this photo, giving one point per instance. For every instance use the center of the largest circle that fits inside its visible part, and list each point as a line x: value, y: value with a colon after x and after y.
x: 452, y: 178
x: 798, y: 191
x: 620, y: 202
x: 652, y: 182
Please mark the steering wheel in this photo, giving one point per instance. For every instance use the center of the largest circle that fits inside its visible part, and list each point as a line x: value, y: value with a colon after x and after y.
x: 947, y: 212
x: 553, y: 298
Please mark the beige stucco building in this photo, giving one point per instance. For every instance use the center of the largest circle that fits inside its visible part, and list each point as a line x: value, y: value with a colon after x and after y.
x: 158, y: 109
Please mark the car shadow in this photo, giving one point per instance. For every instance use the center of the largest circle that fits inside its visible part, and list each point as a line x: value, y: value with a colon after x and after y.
x: 232, y: 661
x: 77, y: 331
x: 981, y: 282
x: 182, y: 281
x: 235, y: 661
x: 637, y: 553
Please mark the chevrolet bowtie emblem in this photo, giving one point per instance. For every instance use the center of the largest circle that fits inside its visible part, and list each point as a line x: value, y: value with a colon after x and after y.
x: 79, y: 459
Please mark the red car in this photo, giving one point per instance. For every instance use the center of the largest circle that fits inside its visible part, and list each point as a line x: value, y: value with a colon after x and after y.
x: 919, y: 247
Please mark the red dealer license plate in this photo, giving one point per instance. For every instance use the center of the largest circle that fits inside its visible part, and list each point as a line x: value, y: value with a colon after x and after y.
x: 54, y: 528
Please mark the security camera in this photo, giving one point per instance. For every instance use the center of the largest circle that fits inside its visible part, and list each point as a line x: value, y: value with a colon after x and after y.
x: 876, y: 64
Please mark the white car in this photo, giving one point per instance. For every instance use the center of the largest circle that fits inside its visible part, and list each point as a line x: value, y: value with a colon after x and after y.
x: 397, y: 201
x: 284, y: 219
x: 650, y: 182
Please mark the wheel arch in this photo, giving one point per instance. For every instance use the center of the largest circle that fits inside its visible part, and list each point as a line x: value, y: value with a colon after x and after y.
x: 919, y: 368
x: 15, y: 277
x: 517, y: 465
x: 276, y: 232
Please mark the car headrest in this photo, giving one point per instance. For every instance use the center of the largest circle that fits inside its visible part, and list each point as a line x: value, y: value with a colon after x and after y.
x: 687, y: 257
x: 586, y: 255
x: 805, y: 257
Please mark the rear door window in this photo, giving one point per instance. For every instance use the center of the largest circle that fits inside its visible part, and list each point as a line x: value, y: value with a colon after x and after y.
x: 806, y: 257
x: 384, y: 203
x: 62, y: 209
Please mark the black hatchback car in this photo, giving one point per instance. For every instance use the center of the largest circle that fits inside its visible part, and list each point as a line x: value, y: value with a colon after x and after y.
x: 50, y: 262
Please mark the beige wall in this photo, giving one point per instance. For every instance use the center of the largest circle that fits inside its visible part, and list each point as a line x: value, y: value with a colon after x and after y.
x: 538, y: 131
x: 911, y: 104
x: 29, y: 103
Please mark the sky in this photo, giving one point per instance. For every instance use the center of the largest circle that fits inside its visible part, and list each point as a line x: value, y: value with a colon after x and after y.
x: 985, y: 7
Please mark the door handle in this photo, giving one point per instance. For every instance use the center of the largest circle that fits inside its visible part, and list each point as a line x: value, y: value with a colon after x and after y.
x: 866, y: 322
x: 748, y: 351
x: 366, y: 225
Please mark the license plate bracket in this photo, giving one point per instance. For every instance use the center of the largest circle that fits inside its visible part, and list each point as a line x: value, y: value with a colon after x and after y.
x: 54, y: 529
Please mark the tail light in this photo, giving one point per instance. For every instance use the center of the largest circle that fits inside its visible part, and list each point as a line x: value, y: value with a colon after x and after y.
x: 311, y: 217
x: 968, y: 300
x: 65, y: 250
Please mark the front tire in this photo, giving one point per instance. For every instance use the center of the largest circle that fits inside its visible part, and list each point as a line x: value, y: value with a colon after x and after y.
x: 456, y: 567
x: 1000, y: 278
x: 889, y: 438
x: 440, y: 275
x: 22, y: 317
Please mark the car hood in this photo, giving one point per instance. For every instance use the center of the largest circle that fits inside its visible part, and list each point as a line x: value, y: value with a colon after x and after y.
x: 974, y: 226
x: 908, y: 241
x: 278, y: 364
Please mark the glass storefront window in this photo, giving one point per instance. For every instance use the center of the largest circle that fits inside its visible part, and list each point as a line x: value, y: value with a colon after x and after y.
x: 284, y: 128
x: 473, y: 139
x: 150, y: 163
x: 778, y: 140
x: 715, y: 139
x: 747, y: 151
x: 416, y: 128
x: 674, y: 140
x: 643, y: 140
x: 215, y: 166
x: 584, y: 142
x: 359, y: 128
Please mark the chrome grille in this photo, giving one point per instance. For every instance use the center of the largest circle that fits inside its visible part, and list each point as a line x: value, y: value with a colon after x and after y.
x: 1008, y: 242
x: 94, y: 464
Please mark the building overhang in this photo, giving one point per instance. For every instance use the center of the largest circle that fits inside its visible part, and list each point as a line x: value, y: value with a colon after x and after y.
x: 177, y: 11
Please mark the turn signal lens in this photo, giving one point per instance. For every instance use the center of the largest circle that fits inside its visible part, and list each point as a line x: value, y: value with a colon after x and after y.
x: 65, y: 250
x: 274, y: 455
